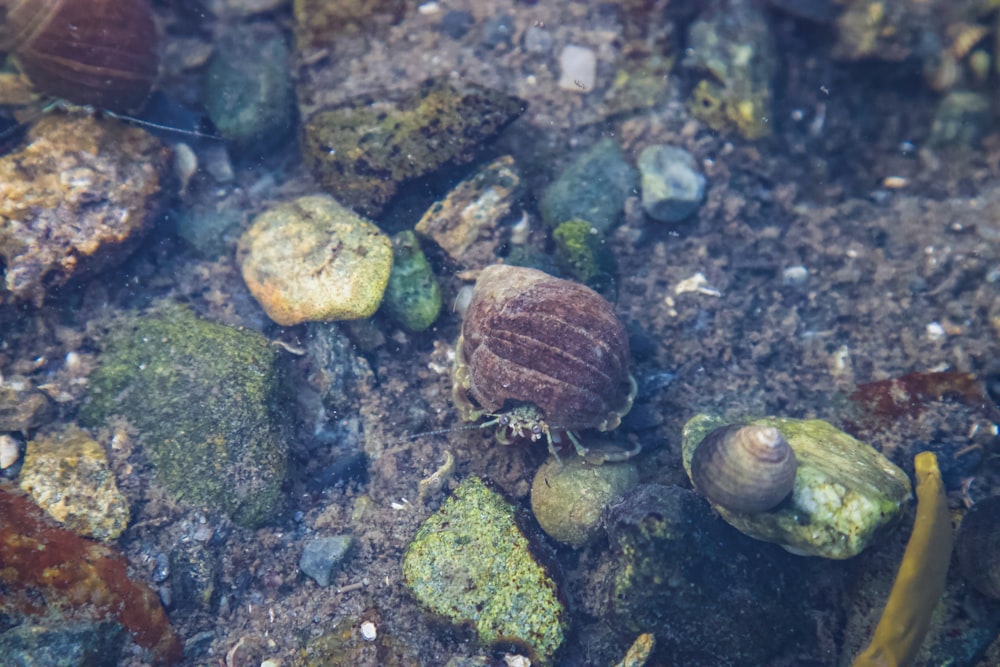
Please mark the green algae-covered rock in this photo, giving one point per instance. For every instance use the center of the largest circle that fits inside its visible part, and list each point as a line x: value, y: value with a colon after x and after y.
x: 710, y: 595
x: 311, y: 259
x: 845, y: 493
x: 593, y: 188
x: 568, y: 498
x: 413, y: 296
x: 582, y: 252
x: 364, y: 150
x: 470, y: 563
x: 202, y: 396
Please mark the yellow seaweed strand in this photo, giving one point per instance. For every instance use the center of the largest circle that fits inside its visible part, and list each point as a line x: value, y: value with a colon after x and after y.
x: 921, y: 577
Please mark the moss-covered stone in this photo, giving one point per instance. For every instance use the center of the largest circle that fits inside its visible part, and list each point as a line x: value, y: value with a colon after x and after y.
x: 413, y: 295
x: 710, y: 595
x: 846, y: 493
x: 593, y: 188
x: 568, y: 498
x: 202, y: 396
x: 582, y: 253
x: 363, y: 151
x: 470, y: 563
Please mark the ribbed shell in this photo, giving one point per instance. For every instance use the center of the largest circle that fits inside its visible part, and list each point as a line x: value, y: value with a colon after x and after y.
x: 529, y: 337
x: 96, y: 52
x: 744, y: 468
x: 977, y: 546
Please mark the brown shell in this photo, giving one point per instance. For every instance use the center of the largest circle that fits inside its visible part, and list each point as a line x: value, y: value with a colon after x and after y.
x: 977, y: 547
x: 529, y: 337
x: 95, y: 52
x: 744, y: 468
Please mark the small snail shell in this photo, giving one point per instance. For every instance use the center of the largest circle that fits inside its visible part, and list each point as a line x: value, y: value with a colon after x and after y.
x: 977, y: 547
x: 94, y: 52
x: 744, y: 468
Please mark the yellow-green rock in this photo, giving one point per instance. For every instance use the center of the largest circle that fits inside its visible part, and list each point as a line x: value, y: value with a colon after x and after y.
x: 312, y: 259
x: 67, y: 474
x: 471, y: 564
x: 568, y: 498
x: 846, y: 493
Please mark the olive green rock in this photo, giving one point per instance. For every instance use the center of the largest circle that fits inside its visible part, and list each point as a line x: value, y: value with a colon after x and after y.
x: 470, y: 563
x: 413, y: 296
x: 569, y: 497
x: 203, y: 397
x: 582, y: 252
x: 311, y: 259
x: 845, y: 493
x: 364, y: 150
x: 67, y: 474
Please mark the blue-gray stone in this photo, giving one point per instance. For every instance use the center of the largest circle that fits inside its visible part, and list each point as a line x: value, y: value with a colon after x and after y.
x: 322, y: 555
x: 96, y: 643
x: 248, y: 88
x: 593, y: 188
x: 672, y: 186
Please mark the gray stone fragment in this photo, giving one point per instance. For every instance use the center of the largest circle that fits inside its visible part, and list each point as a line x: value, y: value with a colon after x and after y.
x: 672, y: 186
x: 322, y: 555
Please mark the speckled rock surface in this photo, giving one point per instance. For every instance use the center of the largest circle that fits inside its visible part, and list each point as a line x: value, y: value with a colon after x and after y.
x: 592, y: 188
x: 413, y: 296
x: 311, y: 259
x: 467, y: 223
x: 67, y: 474
x: 363, y: 150
x: 204, y: 398
x: 77, y: 198
x: 846, y: 494
x: 470, y: 563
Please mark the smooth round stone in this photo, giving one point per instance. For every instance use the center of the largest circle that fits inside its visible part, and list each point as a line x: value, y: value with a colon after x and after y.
x: 568, y: 498
x: 312, y: 259
x: 672, y: 186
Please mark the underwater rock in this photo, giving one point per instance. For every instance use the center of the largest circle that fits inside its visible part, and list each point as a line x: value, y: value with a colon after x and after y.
x: 67, y: 474
x: 569, y: 498
x: 53, y: 577
x: 582, y: 252
x: 96, y: 643
x: 710, y: 595
x: 365, y: 150
x: 311, y: 259
x: 76, y: 199
x: 962, y: 119
x: 470, y: 563
x: 248, y: 88
x: 413, y: 295
x: 319, y: 22
x: 467, y: 223
x: 205, y: 400
x: 845, y: 492
x: 732, y: 44
x: 593, y: 188
x: 672, y: 186
x: 977, y: 547
x: 22, y: 406
x: 322, y: 555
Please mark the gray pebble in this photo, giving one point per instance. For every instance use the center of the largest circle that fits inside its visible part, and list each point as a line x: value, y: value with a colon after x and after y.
x: 322, y: 555
x: 672, y: 186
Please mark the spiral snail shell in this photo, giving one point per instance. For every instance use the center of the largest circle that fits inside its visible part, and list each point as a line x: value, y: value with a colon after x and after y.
x: 744, y: 468
x: 92, y: 52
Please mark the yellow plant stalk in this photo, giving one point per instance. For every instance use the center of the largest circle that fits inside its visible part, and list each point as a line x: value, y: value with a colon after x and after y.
x: 921, y: 577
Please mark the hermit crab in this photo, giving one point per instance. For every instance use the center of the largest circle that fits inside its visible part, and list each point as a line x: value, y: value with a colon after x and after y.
x: 543, y: 358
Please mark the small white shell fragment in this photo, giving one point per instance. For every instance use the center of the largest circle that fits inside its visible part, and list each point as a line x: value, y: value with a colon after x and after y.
x: 696, y: 283
x: 185, y: 165
x: 795, y: 276
x: 368, y: 631
x: 9, y: 452
x: 513, y: 660
x: 935, y: 331
x: 578, y: 66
